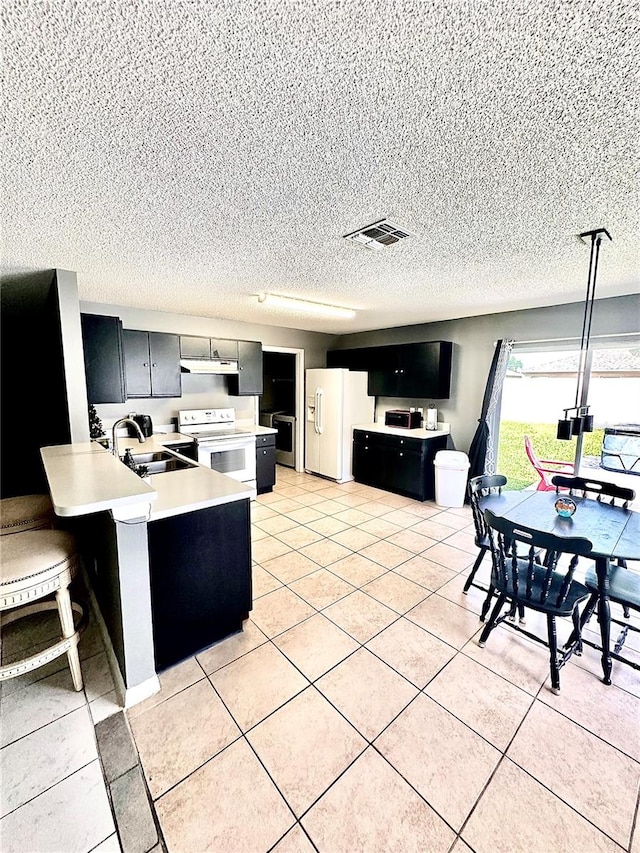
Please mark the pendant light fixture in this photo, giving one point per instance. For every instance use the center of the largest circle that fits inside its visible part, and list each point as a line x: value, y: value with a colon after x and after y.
x: 581, y: 419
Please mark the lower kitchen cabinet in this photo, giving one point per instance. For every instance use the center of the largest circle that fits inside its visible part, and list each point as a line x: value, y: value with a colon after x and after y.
x: 395, y: 463
x: 265, y: 463
x: 200, y: 564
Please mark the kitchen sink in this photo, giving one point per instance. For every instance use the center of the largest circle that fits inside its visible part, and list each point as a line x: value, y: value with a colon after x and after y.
x: 161, y: 462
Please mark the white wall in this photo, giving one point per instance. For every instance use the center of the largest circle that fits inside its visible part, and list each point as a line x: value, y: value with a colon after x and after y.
x: 541, y: 399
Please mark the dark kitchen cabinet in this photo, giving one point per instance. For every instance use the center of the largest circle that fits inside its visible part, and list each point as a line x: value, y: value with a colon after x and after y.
x: 223, y: 348
x: 103, y: 358
x: 369, y: 456
x: 418, y: 371
x: 200, y: 567
x: 395, y: 463
x: 265, y: 463
x: 152, y: 364
x: 361, y: 358
x: 248, y: 381
x: 194, y: 347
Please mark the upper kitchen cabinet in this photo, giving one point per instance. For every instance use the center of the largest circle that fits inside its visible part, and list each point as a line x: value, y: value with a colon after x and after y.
x: 103, y: 358
x: 414, y: 370
x: 421, y: 370
x: 193, y: 347
x: 222, y: 348
x: 152, y: 364
x: 361, y: 358
x: 248, y: 381
x: 206, y: 348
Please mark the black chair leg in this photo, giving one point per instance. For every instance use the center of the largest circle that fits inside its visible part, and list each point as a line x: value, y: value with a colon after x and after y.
x: 473, y: 571
x: 491, y: 624
x: 576, y: 630
x: 553, y: 653
x: 486, y: 603
x: 587, y: 613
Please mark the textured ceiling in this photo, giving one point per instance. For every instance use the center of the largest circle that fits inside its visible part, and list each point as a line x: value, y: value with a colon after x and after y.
x: 185, y: 155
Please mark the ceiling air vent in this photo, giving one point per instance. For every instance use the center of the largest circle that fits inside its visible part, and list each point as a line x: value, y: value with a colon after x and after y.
x: 378, y: 235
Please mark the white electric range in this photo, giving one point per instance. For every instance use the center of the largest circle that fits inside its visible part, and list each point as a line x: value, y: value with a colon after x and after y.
x: 220, y: 445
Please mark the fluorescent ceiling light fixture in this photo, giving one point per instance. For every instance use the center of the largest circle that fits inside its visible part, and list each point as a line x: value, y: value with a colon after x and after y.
x: 303, y: 305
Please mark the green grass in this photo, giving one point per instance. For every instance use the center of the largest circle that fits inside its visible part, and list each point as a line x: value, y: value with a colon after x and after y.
x: 512, y: 458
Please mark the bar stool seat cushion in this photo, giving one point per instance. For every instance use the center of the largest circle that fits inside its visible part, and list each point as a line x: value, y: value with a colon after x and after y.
x: 34, y: 566
x: 36, y: 553
x: 25, y: 512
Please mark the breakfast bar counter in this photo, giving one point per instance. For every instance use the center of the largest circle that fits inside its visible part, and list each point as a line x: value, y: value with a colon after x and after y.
x: 85, y: 478
x: 168, y: 558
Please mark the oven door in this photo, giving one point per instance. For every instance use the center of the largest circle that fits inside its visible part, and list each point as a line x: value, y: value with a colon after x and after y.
x: 231, y: 456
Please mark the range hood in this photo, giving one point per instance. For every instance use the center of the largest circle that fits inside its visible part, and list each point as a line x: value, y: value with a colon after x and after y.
x: 224, y: 366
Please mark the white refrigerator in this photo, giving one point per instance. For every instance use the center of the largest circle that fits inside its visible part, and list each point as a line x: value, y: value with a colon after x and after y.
x: 336, y: 400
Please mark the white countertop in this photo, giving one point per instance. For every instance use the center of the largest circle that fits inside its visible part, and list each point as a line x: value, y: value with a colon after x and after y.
x: 192, y: 489
x: 85, y: 478
x: 260, y: 430
x: 405, y: 433
x: 155, y: 442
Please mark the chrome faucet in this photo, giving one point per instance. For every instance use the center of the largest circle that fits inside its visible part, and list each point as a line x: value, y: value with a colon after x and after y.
x: 114, y: 441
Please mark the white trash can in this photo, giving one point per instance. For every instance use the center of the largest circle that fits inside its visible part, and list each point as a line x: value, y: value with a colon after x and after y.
x: 451, y: 477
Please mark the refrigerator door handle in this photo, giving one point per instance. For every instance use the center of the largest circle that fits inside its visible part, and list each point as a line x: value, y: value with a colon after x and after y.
x: 319, y: 411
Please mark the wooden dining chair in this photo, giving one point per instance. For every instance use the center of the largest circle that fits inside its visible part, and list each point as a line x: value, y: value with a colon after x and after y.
x: 598, y: 490
x: 545, y: 468
x: 624, y: 584
x: 480, y: 487
x: 550, y: 588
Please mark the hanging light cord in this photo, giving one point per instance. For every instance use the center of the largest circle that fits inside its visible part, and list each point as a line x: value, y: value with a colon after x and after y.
x: 596, y: 239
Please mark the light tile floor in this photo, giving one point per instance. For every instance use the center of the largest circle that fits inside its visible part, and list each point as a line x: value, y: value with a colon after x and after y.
x: 53, y: 794
x: 355, y: 712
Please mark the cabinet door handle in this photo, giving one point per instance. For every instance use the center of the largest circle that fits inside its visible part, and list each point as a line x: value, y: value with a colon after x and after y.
x: 145, y: 364
x: 155, y: 364
x: 241, y: 368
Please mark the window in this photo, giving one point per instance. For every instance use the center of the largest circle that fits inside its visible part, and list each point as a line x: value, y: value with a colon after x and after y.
x: 541, y: 382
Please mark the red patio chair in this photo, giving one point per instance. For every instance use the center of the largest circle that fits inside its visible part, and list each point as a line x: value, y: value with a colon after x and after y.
x: 542, y: 466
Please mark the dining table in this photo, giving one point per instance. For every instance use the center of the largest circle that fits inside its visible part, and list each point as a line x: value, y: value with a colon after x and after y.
x: 614, y: 533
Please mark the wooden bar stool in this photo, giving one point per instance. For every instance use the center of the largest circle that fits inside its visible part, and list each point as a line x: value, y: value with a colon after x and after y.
x: 35, y: 564
x: 26, y: 512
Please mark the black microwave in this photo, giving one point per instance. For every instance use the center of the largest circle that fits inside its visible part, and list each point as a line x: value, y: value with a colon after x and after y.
x: 403, y: 419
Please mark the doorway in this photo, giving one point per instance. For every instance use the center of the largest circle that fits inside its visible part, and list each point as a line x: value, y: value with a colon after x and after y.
x: 283, y: 392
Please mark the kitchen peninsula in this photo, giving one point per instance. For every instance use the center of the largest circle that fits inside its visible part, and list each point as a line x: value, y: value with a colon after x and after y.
x: 169, y: 561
